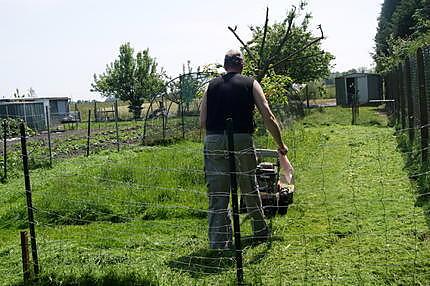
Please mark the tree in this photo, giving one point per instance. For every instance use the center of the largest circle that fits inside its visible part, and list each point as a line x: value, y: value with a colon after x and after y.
x: 130, y: 78
x: 189, y: 85
x: 309, y: 63
x: 403, y: 26
x: 286, y: 52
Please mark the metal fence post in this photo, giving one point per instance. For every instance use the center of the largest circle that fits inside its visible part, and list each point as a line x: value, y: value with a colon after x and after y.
x: 116, y: 125
x: 88, y: 132
x: 4, y: 150
x: 163, y: 117
x: 181, y: 107
x: 48, y: 126
x: 307, y: 97
x: 235, y: 203
x: 423, y: 108
x: 28, y: 194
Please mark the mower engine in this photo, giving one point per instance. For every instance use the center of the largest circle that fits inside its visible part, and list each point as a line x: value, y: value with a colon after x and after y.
x: 275, y: 197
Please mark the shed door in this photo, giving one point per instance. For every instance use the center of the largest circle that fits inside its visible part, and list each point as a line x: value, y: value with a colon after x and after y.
x: 363, y: 96
x: 350, y: 89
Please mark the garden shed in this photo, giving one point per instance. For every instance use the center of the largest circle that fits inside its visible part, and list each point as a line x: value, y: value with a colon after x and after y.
x: 33, y: 110
x: 365, y: 86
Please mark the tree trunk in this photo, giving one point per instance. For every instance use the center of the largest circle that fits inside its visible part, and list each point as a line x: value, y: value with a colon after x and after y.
x: 136, y: 109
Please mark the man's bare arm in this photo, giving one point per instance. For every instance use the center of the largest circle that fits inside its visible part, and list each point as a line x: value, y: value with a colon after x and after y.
x: 203, y: 112
x: 268, y: 118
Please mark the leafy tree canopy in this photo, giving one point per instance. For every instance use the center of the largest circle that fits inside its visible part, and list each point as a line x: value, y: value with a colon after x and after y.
x: 403, y: 26
x: 132, y: 78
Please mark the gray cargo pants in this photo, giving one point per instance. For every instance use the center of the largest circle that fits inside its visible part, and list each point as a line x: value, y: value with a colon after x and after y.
x: 217, y: 173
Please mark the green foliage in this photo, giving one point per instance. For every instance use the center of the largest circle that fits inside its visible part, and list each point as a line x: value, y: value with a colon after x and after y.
x: 12, y: 127
x: 188, y: 84
x: 275, y: 87
x: 404, y: 25
x: 288, y: 52
x: 130, y: 78
x: 316, y: 89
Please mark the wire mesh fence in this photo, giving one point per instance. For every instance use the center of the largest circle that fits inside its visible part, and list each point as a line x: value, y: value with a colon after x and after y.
x: 140, y: 216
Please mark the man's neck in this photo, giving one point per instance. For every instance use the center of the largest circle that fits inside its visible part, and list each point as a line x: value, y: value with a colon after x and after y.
x: 233, y: 71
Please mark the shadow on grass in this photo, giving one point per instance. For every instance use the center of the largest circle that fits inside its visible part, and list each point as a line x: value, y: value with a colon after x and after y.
x: 418, y: 173
x: 205, y: 262
x: 88, y: 280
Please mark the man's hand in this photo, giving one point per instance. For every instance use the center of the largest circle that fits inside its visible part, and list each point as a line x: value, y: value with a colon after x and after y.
x: 283, y: 150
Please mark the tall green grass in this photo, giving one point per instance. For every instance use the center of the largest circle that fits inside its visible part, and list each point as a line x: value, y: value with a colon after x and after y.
x: 138, y: 217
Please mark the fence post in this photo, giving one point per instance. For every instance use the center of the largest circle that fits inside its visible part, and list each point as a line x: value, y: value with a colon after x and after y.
x: 25, y: 257
x: 95, y: 111
x: 409, y: 101
x: 181, y: 107
x: 29, y: 199
x: 401, y: 93
x: 88, y: 132
x: 235, y: 203
x: 163, y: 116
x: 48, y: 125
x: 116, y: 125
x: 423, y: 108
x: 4, y: 150
x: 307, y: 96
x: 78, y: 115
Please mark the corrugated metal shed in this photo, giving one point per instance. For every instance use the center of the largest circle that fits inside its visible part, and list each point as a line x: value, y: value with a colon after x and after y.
x: 365, y: 85
x: 33, y: 110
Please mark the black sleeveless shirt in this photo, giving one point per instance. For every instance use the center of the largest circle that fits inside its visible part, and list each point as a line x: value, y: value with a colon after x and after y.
x: 230, y: 95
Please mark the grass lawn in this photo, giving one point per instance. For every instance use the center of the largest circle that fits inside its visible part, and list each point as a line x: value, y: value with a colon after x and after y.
x: 138, y: 217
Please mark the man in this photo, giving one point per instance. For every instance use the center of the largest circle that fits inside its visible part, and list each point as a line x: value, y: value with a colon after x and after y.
x: 234, y: 96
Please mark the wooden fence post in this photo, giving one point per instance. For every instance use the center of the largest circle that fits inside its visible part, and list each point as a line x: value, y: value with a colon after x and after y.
x: 423, y: 108
x: 25, y: 257
x: 409, y: 101
x: 401, y: 93
x: 95, y: 111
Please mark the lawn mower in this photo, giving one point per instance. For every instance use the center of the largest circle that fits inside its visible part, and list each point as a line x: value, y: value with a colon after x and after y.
x: 276, y: 192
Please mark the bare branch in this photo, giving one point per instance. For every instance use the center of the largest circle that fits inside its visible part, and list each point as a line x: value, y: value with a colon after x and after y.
x: 245, y: 46
x: 263, y: 43
x: 290, y: 56
x: 263, y: 68
x: 291, y: 18
x: 304, y: 57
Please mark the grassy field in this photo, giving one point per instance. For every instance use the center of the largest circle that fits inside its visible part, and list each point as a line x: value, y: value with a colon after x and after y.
x: 138, y: 217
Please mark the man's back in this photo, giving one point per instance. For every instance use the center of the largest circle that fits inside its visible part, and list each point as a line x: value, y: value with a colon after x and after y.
x: 230, y: 95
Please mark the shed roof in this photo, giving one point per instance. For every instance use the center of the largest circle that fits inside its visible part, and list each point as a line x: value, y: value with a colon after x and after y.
x: 31, y: 99
x: 358, y: 75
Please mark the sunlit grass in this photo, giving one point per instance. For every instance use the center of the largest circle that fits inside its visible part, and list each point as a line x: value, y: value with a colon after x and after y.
x: 138, y: 217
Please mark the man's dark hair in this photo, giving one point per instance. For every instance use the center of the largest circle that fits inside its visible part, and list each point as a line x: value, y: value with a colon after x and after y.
x: 233, y: 59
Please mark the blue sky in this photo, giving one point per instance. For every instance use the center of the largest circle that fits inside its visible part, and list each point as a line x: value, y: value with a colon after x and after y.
x: 55, y: 46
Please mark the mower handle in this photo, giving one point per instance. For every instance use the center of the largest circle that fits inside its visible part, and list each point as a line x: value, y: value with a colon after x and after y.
x: 266, y: 153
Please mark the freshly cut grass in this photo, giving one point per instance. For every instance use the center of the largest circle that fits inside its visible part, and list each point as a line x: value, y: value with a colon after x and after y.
x: 138, y: 217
